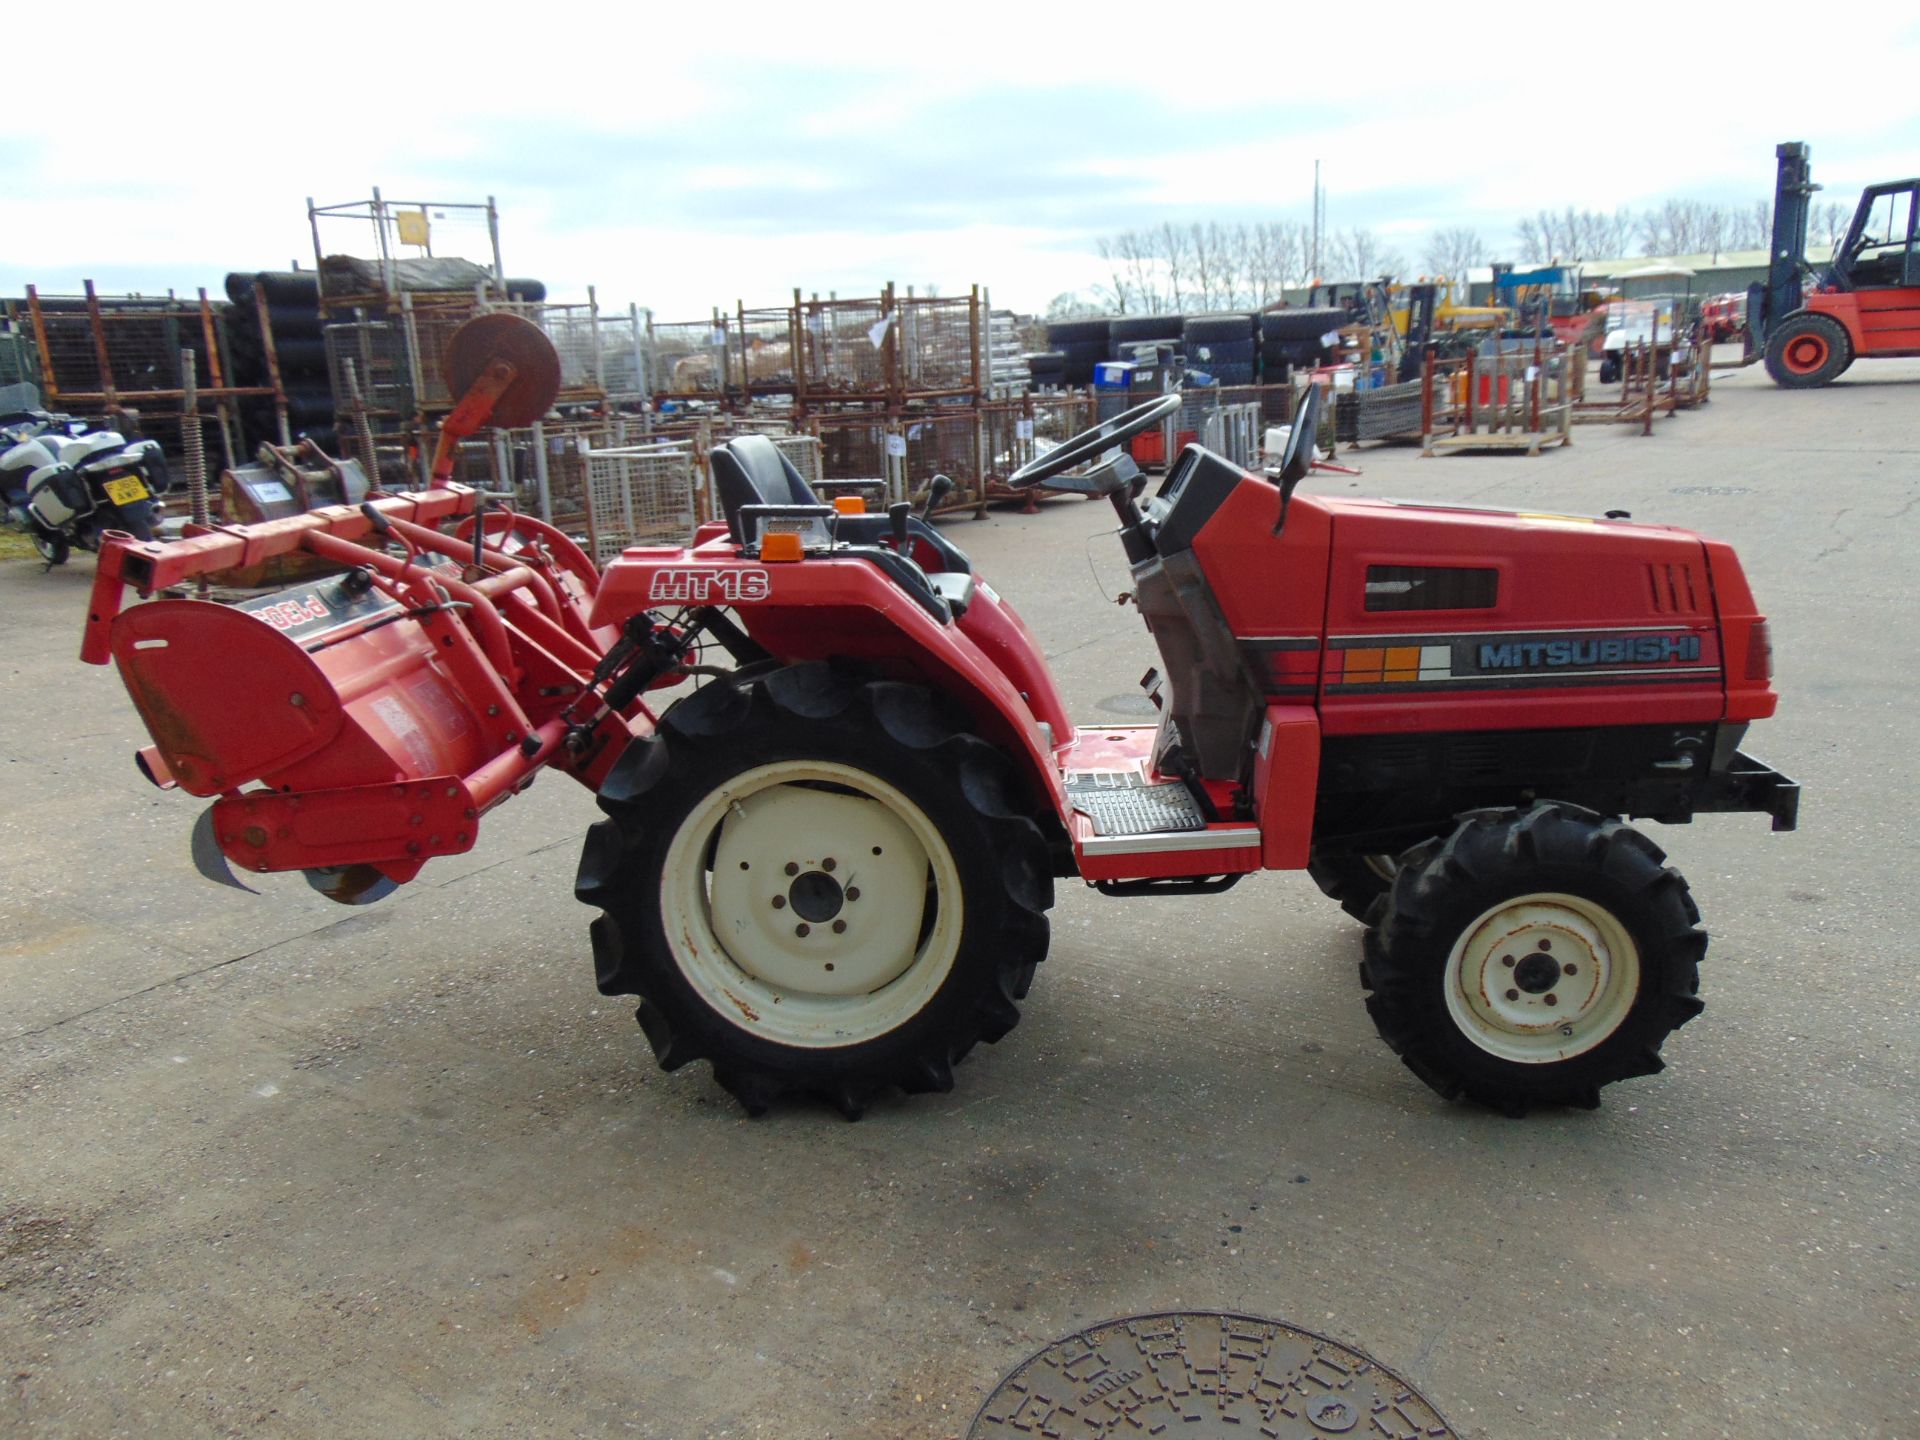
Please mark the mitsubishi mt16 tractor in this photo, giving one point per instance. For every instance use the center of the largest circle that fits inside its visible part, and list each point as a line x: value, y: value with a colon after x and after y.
x: 839, y: 784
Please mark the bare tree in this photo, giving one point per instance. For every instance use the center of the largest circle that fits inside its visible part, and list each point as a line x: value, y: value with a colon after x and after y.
x: 1754, y: 230
x: 1827, y: 223
x: 1175, y: 253
x: 1359, y: 254
x: 1281, y: 250
x: 1203, y: 252
x: 1244, y: 252
x: 1683, y: 227
x: 1572, y: 234
x: 1453, y: 251
x: 1114, y: 293
x: 1137, y: 254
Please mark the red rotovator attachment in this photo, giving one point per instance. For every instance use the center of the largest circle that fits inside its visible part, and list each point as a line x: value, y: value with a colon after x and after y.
x: 357, y: 725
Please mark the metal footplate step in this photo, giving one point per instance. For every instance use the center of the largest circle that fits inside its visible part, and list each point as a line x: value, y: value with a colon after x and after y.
x: 1124, y: 802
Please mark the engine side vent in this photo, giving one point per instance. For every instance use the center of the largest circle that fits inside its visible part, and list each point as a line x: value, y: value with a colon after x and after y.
x: 1672, y: 590
x: 1432, y: 587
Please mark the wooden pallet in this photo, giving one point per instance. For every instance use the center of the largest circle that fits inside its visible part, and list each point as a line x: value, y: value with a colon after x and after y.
x: 1530, y: 442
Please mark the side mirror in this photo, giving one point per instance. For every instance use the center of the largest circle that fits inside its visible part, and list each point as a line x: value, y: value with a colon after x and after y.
x: 1297, y: 459
x: 1296, y: 462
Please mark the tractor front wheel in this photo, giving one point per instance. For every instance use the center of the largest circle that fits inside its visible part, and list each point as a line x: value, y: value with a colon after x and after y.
x: 1534, y: 956
x: 1359, y: 883
x: 820, y: 885
x: 1807, y: 350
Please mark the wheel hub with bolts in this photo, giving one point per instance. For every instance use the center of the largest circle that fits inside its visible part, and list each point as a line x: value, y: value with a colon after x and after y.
x: 1542, y: 977
x: 819, y: 921
x: 1806, y: 353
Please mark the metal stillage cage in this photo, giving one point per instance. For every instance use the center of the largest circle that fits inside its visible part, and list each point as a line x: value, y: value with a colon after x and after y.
x: 687, y: 359
x: 639, y: 495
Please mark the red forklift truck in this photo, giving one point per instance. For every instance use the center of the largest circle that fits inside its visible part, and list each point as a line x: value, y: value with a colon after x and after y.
x: 826, y: 866
x: 1864, y: 305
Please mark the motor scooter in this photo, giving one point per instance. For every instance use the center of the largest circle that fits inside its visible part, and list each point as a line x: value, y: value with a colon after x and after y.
x: 66, y: 485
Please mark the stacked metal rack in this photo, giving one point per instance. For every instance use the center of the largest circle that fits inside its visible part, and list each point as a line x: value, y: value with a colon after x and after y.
x: 390, y: 301
x: 124, y: 359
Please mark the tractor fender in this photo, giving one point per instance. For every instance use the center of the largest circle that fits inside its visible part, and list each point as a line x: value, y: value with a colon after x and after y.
x: 847, y: 608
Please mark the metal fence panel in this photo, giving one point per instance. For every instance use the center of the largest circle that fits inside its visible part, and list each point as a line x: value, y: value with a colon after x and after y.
x: 762, y: 350
x: 939, y: 344
x: 687, y: 357
x: 639, y: 495
x: 840, y: 356
x: 947, y: 445
x: 804, y: 453
x: 1233, y: 431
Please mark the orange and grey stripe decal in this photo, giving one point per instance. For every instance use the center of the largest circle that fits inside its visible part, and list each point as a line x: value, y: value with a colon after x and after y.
x: 1287, y: 666
x: 1482, y: 660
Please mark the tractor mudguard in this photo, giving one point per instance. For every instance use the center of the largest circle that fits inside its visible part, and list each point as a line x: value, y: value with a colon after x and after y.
x: 836, y: 607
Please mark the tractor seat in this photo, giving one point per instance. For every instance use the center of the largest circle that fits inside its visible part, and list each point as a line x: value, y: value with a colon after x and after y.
x: 750, y: 470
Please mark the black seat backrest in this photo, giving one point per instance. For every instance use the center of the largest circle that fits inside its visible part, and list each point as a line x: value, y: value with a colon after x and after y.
x: 750, y: 470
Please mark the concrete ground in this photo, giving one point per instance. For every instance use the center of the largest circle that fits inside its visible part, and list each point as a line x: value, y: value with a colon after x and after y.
x: 272, y: 1167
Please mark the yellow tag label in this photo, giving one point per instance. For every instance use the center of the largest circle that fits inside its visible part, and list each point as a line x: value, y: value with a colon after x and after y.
x: 413, y: 227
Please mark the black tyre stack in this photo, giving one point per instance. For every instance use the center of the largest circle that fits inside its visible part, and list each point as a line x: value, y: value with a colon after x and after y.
x: 1081, y: 345
x: 1126, y: 331
x: 1224, y: 345
x: 1048, y: 369
x: 293, y: 311
x: 1290, y: 338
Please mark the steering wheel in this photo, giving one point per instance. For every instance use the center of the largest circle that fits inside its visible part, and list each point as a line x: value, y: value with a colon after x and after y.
x: 1091, y: 443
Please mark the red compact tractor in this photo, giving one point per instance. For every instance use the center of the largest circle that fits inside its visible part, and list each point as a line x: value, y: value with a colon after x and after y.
x: 826, y: 867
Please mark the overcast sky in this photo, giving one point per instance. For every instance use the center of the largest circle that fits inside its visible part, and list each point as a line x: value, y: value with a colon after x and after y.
x: 690, y: 156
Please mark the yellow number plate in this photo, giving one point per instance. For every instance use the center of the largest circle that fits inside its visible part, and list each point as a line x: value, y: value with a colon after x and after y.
x: 125, y: 490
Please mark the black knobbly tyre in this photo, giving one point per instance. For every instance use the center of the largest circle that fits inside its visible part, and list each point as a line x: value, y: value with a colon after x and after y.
x: 1358, y: 882
x: 1532, y: 957
x: 1807, y: 350
x: 823, y: 885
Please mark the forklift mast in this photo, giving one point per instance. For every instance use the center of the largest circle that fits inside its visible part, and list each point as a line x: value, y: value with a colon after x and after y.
x: 1422, y: 300
x: 1780, y: 294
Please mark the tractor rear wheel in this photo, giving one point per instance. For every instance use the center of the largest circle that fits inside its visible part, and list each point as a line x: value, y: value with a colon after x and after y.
x: 1534, y: 956
x: 1807, y: 350
x: 820, y: 885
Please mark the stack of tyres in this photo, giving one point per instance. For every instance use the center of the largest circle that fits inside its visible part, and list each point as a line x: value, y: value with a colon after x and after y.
x: 293, y: 311
x: 1126, y: 331
x: 1048, y: 369
x: 1081, y: 345
x: 1222, y: 345
x: 1297, y: 337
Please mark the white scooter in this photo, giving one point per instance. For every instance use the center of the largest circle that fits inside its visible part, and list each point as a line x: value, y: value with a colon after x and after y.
x: 66, y: 485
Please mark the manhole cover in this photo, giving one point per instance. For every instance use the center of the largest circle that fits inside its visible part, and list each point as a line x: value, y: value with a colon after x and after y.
x: 1129, y: 705
x: 1201, y: 1374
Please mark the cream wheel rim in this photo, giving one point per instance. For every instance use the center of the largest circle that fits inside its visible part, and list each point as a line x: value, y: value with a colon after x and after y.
x: 1542, y: 977
x: 811, y: 903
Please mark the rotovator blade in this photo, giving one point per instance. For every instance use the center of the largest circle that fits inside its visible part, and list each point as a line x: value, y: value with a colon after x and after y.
x: 209, y: 859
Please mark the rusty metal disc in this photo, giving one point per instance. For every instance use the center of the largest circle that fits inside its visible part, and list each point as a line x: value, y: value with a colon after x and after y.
x: 1204, y: 1374
x: 523, y: 345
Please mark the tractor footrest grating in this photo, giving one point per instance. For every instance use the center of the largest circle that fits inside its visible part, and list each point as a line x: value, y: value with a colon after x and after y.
x: 1126, y: 803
